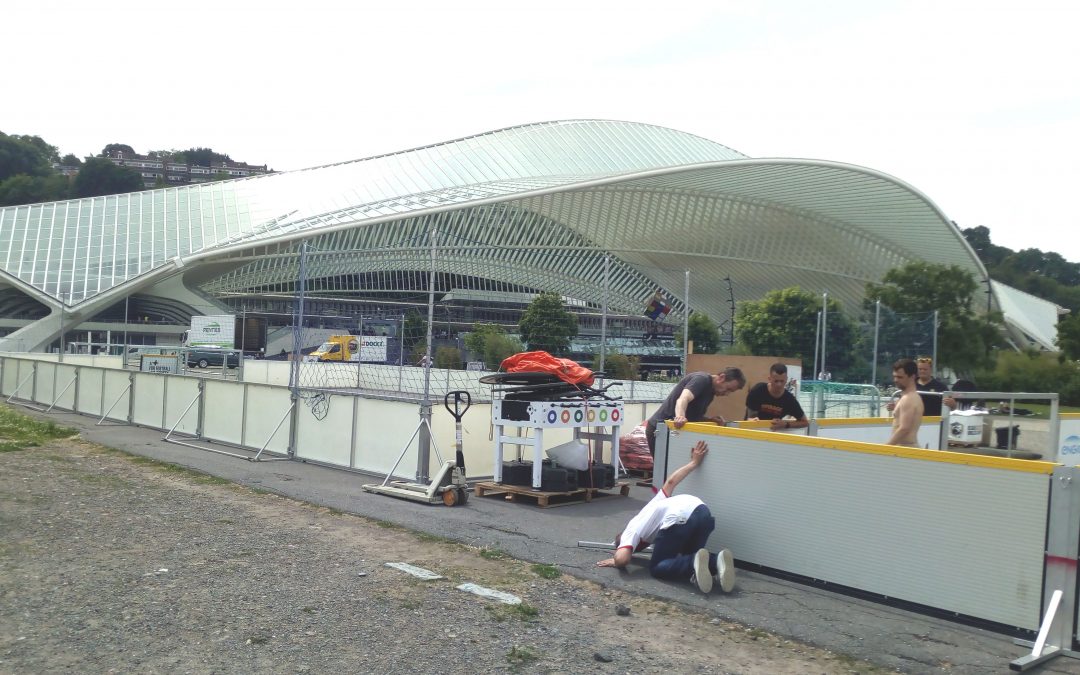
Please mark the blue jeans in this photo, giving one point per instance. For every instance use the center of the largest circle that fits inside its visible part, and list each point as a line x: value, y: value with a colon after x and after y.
x: 674, y: 548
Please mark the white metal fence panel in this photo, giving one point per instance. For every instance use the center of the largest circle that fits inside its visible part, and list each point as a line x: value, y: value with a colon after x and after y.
x: 960, y: 533
x: 66, y: 385
x: 223, y: 411
x: 180, y: 393
x: 91, y: 382
x: 117, y: 394
x: 266, y: 406
x: 1069, y: 439
x: 44, y: 383
x: 328, y: 439
x: 149, y: 398
x: 382, y: 430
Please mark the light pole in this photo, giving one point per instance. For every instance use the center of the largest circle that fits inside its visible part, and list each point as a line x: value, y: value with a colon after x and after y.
x: 731, y: 300
x: 62, y: 296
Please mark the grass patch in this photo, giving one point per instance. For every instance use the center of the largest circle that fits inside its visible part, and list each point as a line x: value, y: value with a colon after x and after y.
x: 168, y: 467
x: 1042, y: 410
x: 546, y: 571
x: 522, y: 612
x: 387, y: 525
x: 434, y: 538
x: 520, y: 656
x: 492, y: 554
x: 18, y: 432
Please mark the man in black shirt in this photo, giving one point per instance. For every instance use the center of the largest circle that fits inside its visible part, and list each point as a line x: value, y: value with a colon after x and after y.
x: 690, y: 399
x: 772, y: 401
x: 927, y: 382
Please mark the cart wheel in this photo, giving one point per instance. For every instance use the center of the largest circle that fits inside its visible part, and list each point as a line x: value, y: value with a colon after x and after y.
x: 450, y: 497
x: 463, y: 496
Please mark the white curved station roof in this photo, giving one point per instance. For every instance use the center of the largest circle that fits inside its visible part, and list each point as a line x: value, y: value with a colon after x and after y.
x: 527, y: 208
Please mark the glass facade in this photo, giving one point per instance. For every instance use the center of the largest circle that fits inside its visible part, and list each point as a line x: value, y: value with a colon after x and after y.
x: 656, y: 200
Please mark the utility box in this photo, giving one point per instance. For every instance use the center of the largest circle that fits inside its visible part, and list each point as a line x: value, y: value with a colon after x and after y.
x: 966, y: 427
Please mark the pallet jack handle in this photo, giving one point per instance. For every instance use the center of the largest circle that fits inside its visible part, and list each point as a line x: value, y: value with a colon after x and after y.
x: 460, y: 398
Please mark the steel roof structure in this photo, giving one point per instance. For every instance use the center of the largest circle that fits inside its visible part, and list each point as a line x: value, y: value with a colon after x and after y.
x: 519, y: 210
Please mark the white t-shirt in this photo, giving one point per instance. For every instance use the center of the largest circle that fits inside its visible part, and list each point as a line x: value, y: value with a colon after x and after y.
x: 660, y: 513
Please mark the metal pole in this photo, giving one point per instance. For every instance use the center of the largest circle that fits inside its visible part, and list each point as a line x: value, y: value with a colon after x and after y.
x: 360, y: 344
x: 824, y: 328
x: 126, y: 298
x: 817, y: 345
x: 603, y: 317
x: 401, y: 351
x: 934, y: 355
x: 62, y: 306
x: 298, y: 323
x: 731, y: 301
x: 877, y: 323
x: 424, y: 450
x: 686, y: 321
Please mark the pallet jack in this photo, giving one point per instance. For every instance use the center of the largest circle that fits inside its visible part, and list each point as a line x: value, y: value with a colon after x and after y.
x: 448, y: 485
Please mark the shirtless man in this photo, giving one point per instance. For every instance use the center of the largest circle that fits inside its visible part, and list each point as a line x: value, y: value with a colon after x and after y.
x: 907, y: 416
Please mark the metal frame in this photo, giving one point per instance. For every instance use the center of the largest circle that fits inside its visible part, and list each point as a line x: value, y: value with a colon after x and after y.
x: 1058, y: 629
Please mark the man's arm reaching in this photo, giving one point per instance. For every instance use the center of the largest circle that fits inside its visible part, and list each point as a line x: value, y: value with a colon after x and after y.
x: 697, y: 454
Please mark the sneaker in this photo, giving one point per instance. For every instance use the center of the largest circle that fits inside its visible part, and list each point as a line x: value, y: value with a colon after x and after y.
x: 701, y: 577
x: 725, y: 570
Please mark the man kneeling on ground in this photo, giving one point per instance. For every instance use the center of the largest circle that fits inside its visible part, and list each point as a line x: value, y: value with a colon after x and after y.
x: 677, y: 527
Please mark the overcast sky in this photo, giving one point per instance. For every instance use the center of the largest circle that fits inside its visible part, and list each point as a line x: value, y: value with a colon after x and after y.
x: 976, y: 104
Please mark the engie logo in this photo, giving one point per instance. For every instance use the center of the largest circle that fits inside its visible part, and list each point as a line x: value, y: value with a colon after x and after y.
x: 1071, y: 446
x: 212, y: 327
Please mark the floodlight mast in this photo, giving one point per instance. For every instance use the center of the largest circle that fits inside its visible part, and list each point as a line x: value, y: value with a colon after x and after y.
x: 424, y: 441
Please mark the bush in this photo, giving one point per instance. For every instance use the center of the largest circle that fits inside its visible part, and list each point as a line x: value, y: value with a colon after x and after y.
x: 1036, y: 372
x: 448, y: 357
x: 619, y: 366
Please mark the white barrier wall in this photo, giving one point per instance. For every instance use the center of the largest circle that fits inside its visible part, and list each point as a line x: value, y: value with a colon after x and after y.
x: 181, y: 409
x: 116, y: 394
x: 876, y: 430
x: 1069, y: 439
x: 222, y: 421
x: 89, y: 387
x: 262, y: 410
x: 961, y: 533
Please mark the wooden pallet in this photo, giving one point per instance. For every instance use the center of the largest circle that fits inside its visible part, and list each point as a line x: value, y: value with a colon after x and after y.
x: 511, y: 493
x: 642, y: 477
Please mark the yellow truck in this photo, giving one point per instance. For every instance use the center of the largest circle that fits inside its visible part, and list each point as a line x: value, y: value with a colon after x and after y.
x: 337, y: 348
x: 346, y: 348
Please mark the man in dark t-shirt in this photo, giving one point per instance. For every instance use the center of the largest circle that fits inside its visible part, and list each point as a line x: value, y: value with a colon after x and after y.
x: 927, y: 382
x: 772, y: 401
x: 690, y: 399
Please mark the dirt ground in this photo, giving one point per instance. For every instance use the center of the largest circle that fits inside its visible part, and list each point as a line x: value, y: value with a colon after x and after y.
x: 118, y: 564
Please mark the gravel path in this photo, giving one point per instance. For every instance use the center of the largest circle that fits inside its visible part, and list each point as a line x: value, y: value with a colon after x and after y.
x: 111, y: 563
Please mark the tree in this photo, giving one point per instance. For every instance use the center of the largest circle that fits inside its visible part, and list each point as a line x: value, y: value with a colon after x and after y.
x: 414, y: 330
x: 23, y: 189
x: 202, y: 156
x: 784, y: 323
x: 619, y: 366
x: 964, y: 339
x: 703, y: 333
x: 114, y: 148
x: 99, y: 176
x: 21, y: 157
x: 448, y: 357
x: 491, y: 343
x: 70, y: 160
x: 1068, y: 337
x: 547, y: 325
